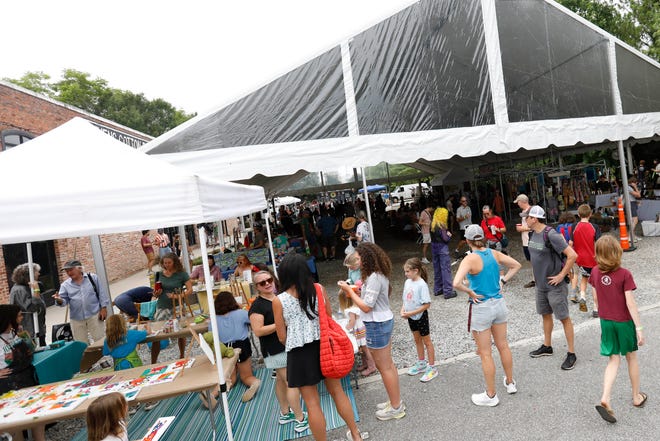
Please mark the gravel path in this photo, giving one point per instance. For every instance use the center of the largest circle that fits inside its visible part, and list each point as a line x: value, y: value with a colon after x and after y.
x: 448, y: 318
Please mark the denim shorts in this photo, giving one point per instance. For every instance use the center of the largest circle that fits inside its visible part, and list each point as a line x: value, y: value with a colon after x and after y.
x: 488, y: 313
x: 379, y: 334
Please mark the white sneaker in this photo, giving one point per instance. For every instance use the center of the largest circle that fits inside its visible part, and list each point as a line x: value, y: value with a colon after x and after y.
x: 430, y: 373
x: 510, y: 387
x: 390, y: 413
x: 386, y: 404
x: 483, y: 399
x: 425, y: 260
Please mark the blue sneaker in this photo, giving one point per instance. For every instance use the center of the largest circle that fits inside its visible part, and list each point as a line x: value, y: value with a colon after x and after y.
x: 418, y: 367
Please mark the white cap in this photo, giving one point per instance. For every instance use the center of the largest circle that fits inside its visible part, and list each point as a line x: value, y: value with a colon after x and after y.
x: 474, y: 232
x: 536, y: 212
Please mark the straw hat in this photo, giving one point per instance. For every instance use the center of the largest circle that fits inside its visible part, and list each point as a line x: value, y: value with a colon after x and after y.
x: 348, y: 223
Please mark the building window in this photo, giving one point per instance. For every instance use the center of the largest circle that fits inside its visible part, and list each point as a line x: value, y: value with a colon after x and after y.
x: 12, y: 138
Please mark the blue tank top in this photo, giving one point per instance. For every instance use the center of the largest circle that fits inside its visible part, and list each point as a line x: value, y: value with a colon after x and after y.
x: 487, y: 282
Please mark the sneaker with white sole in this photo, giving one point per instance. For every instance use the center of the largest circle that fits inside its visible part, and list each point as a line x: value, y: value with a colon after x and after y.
x: 287, y: 418
x: 430, y: 373
x: 425, y: 260
x: 418, y: 367
x: 252, y: 390
x: 381, y: 406
x: 542, y: 351
x: 483, y: 399
x: 510, y: 387
x: 150, y: 405
x: 301, y: 425
x: 390, y: 413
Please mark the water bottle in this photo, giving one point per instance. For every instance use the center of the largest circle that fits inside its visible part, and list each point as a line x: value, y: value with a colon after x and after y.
x: 152, y: 279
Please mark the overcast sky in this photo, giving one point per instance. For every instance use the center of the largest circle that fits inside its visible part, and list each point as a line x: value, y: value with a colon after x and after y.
x: 196, y: 54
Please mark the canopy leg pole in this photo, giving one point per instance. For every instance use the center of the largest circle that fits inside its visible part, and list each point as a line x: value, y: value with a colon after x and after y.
x: 270, y: 240
x: 368, y: 205
x: 99, y: 263
x: 216, y: 338
x: 183, y: 243
x: 35, y: 315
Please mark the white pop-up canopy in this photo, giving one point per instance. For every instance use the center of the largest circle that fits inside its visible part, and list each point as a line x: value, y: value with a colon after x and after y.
x: 77, y: 181
x: 438, y: 80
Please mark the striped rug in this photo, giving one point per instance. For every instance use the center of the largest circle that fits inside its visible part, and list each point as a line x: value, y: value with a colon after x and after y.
x: 255, y: 420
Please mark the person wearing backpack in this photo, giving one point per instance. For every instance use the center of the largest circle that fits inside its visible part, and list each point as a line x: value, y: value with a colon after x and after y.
x: 583, y: 239
x: 547, y: 249
x: 88, y: 302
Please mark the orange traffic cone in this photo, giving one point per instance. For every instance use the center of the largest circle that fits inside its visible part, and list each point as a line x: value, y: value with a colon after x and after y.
x: 623, y: 230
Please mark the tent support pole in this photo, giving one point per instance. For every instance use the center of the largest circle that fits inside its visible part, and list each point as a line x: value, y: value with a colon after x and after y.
x: 270, y: 240
x: 618, y: 109
x: 216, y: 338
x: 183, y: 243
x: 367, y: 205
x: 35, y: 315
x: 99, y: 263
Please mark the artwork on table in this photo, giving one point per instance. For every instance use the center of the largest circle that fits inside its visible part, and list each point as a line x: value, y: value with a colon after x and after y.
x: 30, y: 403
x: 158, y: 429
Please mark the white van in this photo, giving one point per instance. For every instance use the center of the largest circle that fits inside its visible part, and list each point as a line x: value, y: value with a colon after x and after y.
x: 408, y: 192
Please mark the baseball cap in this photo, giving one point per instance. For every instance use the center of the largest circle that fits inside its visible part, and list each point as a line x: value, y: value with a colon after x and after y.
x: 474, y: 232
x: 71, y: 264
x: 521, y: 198
x: 536, y: 212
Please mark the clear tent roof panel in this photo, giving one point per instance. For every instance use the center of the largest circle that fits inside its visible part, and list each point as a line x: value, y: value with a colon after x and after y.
x: 424, y: 68
x: 554, y: 66
x: 639, y: 82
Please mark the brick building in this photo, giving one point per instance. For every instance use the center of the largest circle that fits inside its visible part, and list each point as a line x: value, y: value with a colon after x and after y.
x: 25, y: 115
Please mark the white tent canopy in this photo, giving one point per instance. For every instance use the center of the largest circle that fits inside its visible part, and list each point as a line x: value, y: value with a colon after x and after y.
x: 437, y: 80
x: 77, y: 181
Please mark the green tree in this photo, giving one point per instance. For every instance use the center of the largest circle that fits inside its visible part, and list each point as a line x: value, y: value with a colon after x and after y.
x: 153, y: 117
x: 35, y: 81
x: 636, y: 22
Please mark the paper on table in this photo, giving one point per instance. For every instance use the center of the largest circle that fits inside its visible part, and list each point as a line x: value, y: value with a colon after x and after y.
x: 207, y: 350
x: 157, y: 430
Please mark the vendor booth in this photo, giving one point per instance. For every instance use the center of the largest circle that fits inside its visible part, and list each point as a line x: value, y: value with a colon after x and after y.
x: 83, y: 182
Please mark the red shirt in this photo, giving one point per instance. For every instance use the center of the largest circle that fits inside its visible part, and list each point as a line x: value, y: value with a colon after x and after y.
x: 584, y: 239
x: 497, y: 222
x: 611, y: 290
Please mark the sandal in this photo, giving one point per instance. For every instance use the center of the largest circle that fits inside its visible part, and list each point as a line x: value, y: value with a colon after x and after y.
x: 643, y: 402
x: 606, y: 412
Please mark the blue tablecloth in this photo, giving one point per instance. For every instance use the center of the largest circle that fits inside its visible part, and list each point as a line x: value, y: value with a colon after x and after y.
x: 59, y: 364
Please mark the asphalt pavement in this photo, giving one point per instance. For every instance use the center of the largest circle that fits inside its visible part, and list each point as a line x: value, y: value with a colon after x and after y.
x: 550, y: 403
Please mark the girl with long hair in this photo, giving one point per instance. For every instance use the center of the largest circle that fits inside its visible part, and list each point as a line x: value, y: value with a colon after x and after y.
x: 376, y: 269
x: 297, y: 323
x: 106, y: 418
x: 274, y: 352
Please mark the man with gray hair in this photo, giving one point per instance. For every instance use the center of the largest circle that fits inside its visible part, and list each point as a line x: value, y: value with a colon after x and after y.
x: 88, y: 302
x: 546, y: 247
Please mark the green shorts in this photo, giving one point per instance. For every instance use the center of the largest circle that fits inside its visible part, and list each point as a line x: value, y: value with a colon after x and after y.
x: 617, y: 337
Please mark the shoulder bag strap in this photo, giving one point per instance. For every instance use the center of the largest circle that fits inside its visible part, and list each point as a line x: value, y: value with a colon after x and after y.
x: 96, y: 290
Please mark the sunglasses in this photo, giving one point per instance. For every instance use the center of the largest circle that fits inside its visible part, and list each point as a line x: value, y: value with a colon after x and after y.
x: 265, y: 282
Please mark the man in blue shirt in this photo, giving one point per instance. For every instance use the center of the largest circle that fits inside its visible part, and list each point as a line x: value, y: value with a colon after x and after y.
x: 88, y: 302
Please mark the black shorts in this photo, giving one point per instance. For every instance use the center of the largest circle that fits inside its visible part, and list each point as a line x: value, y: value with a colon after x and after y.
x: 461, y: 234
x: 526, y: 251
x: 303, y: 365
x: 328, y: 241
x: 245, y: 347
x: 420, y: 325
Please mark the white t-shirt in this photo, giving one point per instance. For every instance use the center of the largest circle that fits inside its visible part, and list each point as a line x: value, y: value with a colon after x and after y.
x: 415, y: 294
x: 466, y: 213
x: 362, y: 231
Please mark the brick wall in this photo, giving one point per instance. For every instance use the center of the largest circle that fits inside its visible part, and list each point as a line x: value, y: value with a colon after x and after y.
x: 26, y: 111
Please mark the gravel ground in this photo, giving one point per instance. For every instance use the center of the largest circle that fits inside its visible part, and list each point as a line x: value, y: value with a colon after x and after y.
x: 448, y: 318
